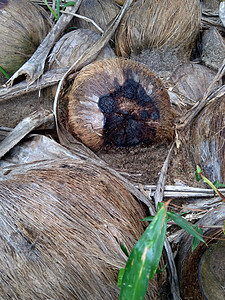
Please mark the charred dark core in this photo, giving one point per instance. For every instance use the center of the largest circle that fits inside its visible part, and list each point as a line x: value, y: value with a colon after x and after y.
x: 130, y: 115
x: 3, y: 3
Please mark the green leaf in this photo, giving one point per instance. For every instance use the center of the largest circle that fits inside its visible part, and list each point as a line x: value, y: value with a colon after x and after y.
x: 218, y: 185
x: 197, y: 173
x: 161, y: 270
x: 4, y: 72
x: 51, y: 10
x: 196, y: 241
x: 58, y: 8
x: 148, y: 219
x: 69, y: 3
x: 185, y: 225
x: 120, y: 277
x: 144, y: 259
x: 124, y: 248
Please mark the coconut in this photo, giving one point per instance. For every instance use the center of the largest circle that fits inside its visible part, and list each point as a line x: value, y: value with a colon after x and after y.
x: 23, y: 26
x: 150, y: 24
x: 191, y: 81
x: 101, y: 12
x: 61, y: 225
x: 118, y: 102
x: 72, y: 45
x: 195, y: 279
x: 208, y: 140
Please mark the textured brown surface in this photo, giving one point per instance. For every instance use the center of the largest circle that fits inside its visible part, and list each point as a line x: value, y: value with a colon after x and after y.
x: 119, y: 102
x: 61, y: 227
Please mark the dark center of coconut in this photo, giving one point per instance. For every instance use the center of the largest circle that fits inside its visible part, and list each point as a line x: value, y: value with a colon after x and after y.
x: 130, y: 115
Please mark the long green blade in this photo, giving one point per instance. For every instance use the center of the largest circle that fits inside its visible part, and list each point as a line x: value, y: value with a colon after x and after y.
x: 144, y: 259
x: 185, y: 225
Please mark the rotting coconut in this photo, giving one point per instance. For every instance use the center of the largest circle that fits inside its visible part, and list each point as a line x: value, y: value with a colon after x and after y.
x: 61, y: 225
x: 208, y: 140
x: 161, y: 29
x: 23, y: 26
x: 101, y: 12
x: 119, y: 102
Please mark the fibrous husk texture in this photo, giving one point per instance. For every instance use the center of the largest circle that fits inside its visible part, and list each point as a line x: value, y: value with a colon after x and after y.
x: 192, y: 80
x: 100, y: 11
x: 119, y: 102
x: 208, y: 140
x: 156, y: 24
x: 61, y: 224
x: 72, y: 45
x: 23, y: 26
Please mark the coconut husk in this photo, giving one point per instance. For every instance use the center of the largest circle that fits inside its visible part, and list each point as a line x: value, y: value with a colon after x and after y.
x: 118, y: 102
x: 69, y: 49
x: 213, y: 48
x: 156, y: 24
x: 211, y: 4
x: 102, y: 12
x: 62, y: 222
x: 190, y: 82
x: 23, y: 26
x: 188, y: 261
x: 207, y: 140
x: 72, y: 45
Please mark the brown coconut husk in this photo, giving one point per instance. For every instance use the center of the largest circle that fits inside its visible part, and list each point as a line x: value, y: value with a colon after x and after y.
x: 23, y: 26
x: 101, y: 12
x: 107, y: 94
x: 152, y: 24
x: 62, y: 222
x: 208, y: 140
x: 69, y: 49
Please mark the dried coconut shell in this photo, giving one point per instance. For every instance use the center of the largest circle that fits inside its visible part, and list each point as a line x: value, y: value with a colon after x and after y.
x: 118, y: 102
x: 208, y: 140
x: 62, y: 222
x: 23, y: 26
x: 101, y: 12
x: 155, y: 24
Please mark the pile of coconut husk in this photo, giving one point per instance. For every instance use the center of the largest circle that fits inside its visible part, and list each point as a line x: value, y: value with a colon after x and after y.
x: 49, y: 168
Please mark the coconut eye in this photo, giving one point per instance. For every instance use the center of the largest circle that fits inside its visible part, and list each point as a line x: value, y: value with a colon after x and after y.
x: 109, y: 104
